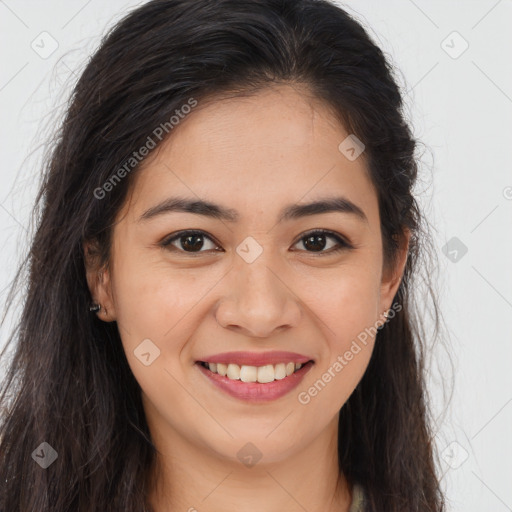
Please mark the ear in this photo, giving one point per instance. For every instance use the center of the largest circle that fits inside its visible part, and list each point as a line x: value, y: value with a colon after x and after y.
x: 392, y: 276
x: 99, y: 281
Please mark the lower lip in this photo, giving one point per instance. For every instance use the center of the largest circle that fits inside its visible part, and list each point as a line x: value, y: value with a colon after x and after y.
x: 255, y: 391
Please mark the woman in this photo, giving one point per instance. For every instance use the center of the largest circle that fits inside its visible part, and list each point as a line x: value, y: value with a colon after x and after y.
x: 218, y: 314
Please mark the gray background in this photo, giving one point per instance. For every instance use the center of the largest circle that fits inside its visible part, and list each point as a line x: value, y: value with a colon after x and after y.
x: 460, y: 104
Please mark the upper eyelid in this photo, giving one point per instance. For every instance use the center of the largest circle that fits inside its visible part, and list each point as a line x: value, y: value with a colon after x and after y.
x: 326, y: 232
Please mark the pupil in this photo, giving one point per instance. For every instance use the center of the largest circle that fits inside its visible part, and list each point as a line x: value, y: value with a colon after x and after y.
x: 192, y: 242
x: 309, y: 242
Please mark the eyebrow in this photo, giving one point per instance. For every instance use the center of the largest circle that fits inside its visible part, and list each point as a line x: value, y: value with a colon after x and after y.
x: 290, y: 212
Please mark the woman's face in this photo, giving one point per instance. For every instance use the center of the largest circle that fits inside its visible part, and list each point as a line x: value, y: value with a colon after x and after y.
x: 262, y: 174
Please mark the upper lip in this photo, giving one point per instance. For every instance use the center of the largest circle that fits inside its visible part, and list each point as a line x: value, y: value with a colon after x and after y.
x: 256, y: 358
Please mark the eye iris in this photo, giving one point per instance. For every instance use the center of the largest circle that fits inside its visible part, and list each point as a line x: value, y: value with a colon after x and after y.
x: 311, y: 242
x: 192, y: 242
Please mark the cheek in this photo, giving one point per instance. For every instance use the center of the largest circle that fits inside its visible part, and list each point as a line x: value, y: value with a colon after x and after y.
x: 346, y: 303
x: 346, y: 308
x: 153, y: 310
x: 160, y: 304
x: 151, y: 299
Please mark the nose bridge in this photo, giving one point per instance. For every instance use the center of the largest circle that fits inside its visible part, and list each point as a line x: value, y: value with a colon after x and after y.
x: 258, y: 300
x: 256, y: 285
x: 258, y: 280
x: 254, y: 264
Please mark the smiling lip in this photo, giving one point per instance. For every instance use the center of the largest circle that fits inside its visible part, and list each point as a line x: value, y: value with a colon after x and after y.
x: 256, y: 392
x: 256, y: 358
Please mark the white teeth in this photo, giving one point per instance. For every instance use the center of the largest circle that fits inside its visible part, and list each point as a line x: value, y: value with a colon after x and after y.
x: 261, y: 374
x: 248, y: 374
x: 280, y: 371
x: 222, y: 369
x: 265, y: 374
x: 233, y: 372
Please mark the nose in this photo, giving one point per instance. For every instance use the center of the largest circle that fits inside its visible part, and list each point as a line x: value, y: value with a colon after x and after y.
x: 258, y: 301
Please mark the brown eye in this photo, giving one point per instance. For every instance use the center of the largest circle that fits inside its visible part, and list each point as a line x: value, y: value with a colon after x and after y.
x: 318, y: 241
x: 190, y: 241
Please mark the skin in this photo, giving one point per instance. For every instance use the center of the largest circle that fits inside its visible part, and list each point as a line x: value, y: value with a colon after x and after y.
x: 290, y: 298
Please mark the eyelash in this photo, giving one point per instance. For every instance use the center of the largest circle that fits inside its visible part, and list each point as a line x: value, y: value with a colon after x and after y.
x: 342, y: 243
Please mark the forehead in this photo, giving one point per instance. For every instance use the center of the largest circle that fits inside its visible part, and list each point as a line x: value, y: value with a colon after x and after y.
x: 277, y: 146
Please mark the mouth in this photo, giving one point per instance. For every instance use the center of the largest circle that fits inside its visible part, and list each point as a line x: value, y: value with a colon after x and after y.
x: 255, y: 382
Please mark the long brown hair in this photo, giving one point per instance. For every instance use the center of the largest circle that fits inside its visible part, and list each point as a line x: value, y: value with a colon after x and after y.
x: 69, y: 383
